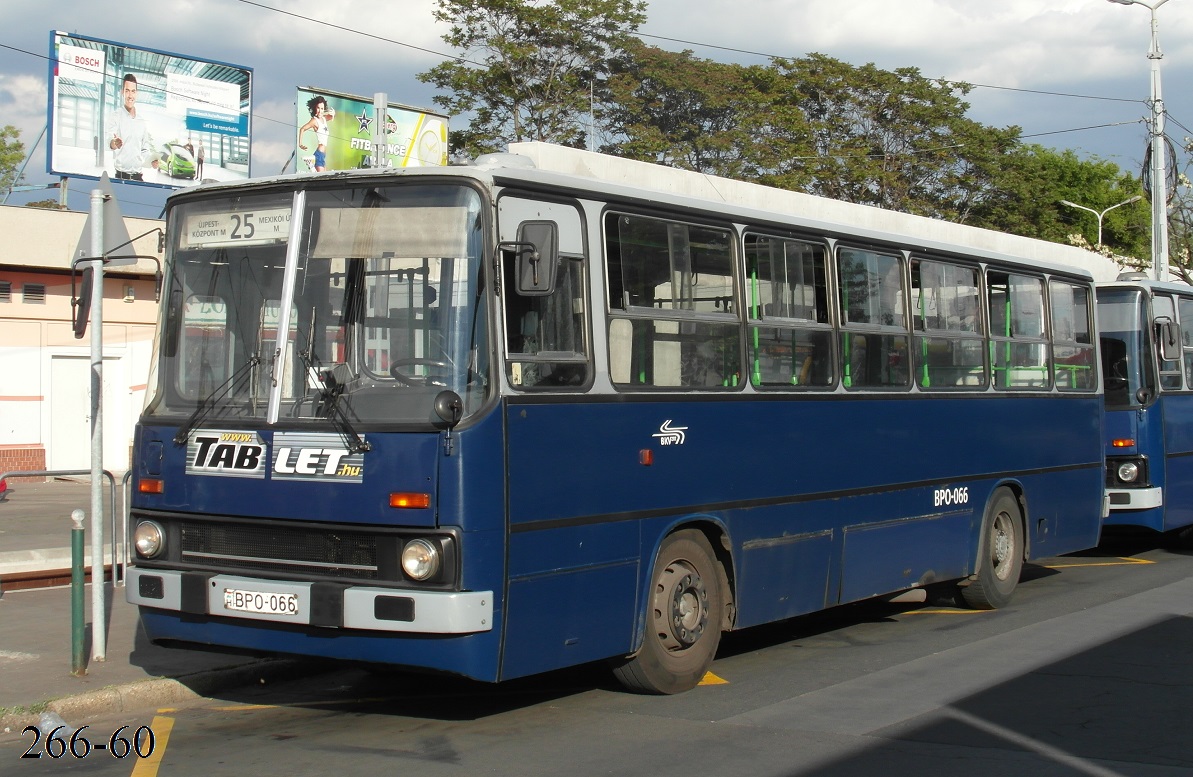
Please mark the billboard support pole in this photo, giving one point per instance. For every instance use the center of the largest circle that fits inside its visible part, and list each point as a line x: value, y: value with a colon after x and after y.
x: 380, y: 109
x: 21, y: 172
x: 98, y: 617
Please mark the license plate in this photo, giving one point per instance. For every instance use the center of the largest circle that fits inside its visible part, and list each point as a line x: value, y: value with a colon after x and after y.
x: 259, y: 601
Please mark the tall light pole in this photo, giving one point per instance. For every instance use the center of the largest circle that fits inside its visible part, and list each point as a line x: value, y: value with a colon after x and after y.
x: 1100, y: 214
x: 1158, y: 151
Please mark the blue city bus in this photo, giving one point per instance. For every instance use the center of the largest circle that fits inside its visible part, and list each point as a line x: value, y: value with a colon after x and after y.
x: 496, y: 420
x: 1146, y: 333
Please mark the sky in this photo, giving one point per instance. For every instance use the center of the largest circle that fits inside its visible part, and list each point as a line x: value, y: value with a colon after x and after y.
x: 1072, y: 74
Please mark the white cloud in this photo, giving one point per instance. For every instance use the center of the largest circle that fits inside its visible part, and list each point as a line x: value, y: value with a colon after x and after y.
x: 23, y: 104
x: 1075, y: 46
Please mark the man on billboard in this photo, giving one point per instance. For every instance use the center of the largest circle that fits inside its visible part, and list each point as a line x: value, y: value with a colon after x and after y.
x: 131, y: 144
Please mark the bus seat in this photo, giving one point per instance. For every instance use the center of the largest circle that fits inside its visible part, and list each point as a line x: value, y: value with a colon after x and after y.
x: 621, y: 341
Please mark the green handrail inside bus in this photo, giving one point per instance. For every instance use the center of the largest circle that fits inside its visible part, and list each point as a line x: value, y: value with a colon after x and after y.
x: 754, y: 314
x: 925, y: 381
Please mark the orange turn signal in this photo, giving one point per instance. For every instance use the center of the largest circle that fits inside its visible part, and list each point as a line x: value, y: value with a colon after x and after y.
x: 1126, y: 443
x: 150, y: 486
x: 409, y: 499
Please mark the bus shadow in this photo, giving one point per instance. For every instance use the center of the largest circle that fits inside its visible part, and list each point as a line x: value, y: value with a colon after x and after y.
x: 1116, y: 704
x: 1126, y: 541
x: 336, y: 686
x: 372, y: 689
x: 348, y: 688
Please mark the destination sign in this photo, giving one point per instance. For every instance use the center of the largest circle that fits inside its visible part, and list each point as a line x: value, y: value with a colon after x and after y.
x: 239, y: 228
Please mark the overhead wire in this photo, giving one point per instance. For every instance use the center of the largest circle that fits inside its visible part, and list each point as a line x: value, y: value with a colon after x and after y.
x: 682, y: 41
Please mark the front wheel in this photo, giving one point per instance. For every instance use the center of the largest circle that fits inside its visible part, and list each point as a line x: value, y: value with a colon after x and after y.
x: 1000, y: 555
x: 683, y: 619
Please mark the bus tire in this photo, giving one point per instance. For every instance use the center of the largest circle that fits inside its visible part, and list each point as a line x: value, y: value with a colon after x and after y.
x: 1000, y: 555
x: 683, y: 618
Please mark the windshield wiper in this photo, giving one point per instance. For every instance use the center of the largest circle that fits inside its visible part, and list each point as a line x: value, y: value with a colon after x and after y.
x: 331, y: 388
x: 209, y: 403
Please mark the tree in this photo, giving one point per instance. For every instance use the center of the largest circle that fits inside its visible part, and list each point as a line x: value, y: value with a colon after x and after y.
x: 529, y: 69
x: 893, y: 139
x: 1180, y: 226
x: 678, y: 110
x: 1030, y: 183
x: 12, y: 154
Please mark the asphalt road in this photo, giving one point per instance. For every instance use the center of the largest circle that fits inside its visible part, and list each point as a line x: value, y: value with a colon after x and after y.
x: 1086, y: 673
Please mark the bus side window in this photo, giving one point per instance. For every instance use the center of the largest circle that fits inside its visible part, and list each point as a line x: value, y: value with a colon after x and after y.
x: 790, y: 336
x: 874, y: 337
x: 949, y: 348
x: 1073, y: 362
x: 1164, y: 318
x: 546, y: 334
x: 1018, y: 342
x: 1185, y: 307
x: 673, y: 304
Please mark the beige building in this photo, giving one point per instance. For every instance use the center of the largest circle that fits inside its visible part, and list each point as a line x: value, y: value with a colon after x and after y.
x: 45, y: 371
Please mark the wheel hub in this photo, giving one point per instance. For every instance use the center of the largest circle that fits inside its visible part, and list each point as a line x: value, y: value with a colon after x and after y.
x: 684, y: 607
x: 1001, y: 546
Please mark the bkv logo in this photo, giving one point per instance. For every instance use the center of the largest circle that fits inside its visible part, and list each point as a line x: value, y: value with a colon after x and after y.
x: 236, y: 454
x: 671, y: 435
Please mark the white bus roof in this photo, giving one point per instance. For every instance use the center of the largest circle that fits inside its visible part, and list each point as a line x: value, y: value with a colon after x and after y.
x: 810, y: 210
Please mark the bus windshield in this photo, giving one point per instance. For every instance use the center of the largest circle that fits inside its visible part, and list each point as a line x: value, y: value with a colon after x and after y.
x: 357, y: 304
x: 1122, y: 319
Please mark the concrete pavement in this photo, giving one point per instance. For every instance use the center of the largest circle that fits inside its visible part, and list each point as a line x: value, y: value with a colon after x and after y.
x: 36, y: 629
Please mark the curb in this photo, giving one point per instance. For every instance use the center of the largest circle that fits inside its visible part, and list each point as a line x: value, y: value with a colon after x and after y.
x: 146, y: 694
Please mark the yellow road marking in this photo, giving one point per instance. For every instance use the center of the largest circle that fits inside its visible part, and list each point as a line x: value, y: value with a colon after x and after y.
x: 147, y: 767
x: 1122, y: 562
x: 245, y: 707
x: 711, y: 679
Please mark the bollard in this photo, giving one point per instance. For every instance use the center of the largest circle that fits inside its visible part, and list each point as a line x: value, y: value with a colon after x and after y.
x: 78, y: 661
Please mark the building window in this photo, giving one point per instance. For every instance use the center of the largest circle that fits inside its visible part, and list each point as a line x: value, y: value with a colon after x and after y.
x: 5, y: 291
x: 34, y: 293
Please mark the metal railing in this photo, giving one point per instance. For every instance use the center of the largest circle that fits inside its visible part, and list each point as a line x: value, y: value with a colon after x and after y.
x: 119, y: 549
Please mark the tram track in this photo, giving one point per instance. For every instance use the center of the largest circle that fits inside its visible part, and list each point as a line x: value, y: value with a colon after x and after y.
x: 44, y: 578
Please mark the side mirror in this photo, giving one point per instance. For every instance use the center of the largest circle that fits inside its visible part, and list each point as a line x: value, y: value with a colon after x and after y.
x: 536, y: 253
x: 174, y: 313
x: 1168, y: 333
x: 449, y: 407
x: 80, y: 304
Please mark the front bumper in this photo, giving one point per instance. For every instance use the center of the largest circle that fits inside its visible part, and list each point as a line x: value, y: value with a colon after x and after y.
x: 327, y: 605
x: 1135, y: 498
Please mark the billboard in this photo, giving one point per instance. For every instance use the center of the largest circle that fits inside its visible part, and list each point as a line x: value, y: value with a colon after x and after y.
x: 335, y: 132
x: 144, y: 116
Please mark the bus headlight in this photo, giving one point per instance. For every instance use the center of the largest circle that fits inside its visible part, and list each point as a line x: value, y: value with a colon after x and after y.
x: 421, y: 560
x: 149, y: 539
x: 1128, y: 471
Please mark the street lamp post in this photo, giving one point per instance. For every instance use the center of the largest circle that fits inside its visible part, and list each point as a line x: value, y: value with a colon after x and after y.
x: 1159, y: 183
x: 1102, y: 213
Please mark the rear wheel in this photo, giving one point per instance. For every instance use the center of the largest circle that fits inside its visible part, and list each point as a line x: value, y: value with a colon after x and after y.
x: 1000, y: 556
x: 683, y: 618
